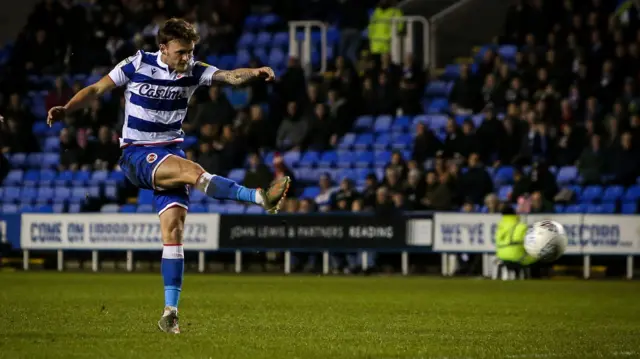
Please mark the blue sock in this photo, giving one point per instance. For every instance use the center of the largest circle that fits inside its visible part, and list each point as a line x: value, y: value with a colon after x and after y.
x: 224, y: 188
x: 172, y: 273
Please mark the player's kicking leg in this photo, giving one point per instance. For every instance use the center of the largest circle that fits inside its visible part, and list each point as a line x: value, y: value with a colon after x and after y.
x: 175, y: 171
x: 172, y: 227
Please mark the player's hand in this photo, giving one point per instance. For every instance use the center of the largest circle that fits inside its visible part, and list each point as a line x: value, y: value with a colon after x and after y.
x: 266, y: 73
x: 55, y: 114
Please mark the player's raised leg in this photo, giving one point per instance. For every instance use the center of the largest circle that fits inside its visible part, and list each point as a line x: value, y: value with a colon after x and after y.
x: 175, y: 171
x: 172, y: 227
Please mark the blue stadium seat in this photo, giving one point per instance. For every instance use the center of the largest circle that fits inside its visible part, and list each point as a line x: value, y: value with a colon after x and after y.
x: 34, y: 160
x: 363, y: 123
x: 309, y: 159
x: 63, y: 178
x: 276, y: 57
x: 58, y: 208
x: 346, y: 173
x: 364, y: 159
x: 346, y: 159
x: 79, y: 195
x: 261, y: 53
x: 382, y: 123
x: 437, y: 123
x: 630, y: 208
x: 93, y: 191
x: 246, y: 40
x: 116, y: 177
x: 438, y: 105
x: 11, y: 194
x: 236, y: 175
x: 577, y: 208
x: 558, y: 208
x: 75, y: 208
x: 28, y: 195
x: 40, y: 129
x: 567, y: 175
x: 632, y: 194
x: 381, y: 159
x: 99, y: 177
x: 18, y: 160
x: 346, y: 142
x: 255, y: 210
x: 50, y: 160
x: 111, y: 193
x: 45, y: 208
x: 590, y: 194
x: 310, y: 192
x: 291, y: 158
x: 47, y: 177
x: 81, y: 178
x: 197, y: 208
x: 251, y: 22
x: 243, y: 57
x: 477, y: 119
x: 45, y: 195
x: 263, y: 39
x: 226, y: 61
x: 235, y: 208
x: 402, y: 142
x: 216, y: 208
x: 504, y: 175
x: 61, y: 194
x: 145, y: 196
x: 145, y: 208
x: 307, y: 174
x: 269, y: 20
x: 110, y: 208
x: 14, y: 178
x: 128, y: 208
x: 383, y: 142
x: 608, y: 208
x: 8, y: 208
x: 27, y: 208
x: 363, y: 141
x: 197, y: 196
x: 55, y: 129
x: 328, y: 159
x: 280, y: 39
x: 451, y: 72
x: 437, y: 89
x: 508, y: 52
x: 401, y: 124
x: 52, y: 144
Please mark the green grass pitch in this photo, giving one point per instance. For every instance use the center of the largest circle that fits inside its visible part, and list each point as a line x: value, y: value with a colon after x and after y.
x: 67, y: 315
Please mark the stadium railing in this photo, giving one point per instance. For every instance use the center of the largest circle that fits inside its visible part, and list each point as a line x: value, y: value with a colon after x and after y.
x: 418, y: 232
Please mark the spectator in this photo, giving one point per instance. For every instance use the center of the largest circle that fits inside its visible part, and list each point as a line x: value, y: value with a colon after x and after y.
x: 625, y: 163
x: 14, y: 138
x: 255, y: 129
x: 521, y: 185
x: 383, y: 206
x: 463, y: 95
x: 345, y: 195
x: 476, y: 183
x: 369, y: 192
x: 59, y: 95
x: 208, y: 159
x: 323, y: 199
x: 414, y: 189
x: 323, y: 133
x: 352, y: 21
x: 293, y: 130
x: 568, y: 146
x: 106, y: 150
x: 217, y: 110
x: 380, y: 27
x: 425, y: 144
x: 257, y: 174
x: 492, y: 203
x: 539, y: 204
x: 70, y: 152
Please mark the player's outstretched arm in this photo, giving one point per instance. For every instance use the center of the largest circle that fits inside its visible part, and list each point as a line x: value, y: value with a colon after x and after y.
x: 241, y: 76
x: 81, y: 100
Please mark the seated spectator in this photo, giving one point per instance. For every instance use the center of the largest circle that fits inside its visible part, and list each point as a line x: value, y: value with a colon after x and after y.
x: 626, y: 161
x: 383, y: 206
x: 464, y: 96
x: 492, y: 203
x: 59, y: 95
x: 293, y: 129
x: 257, y: 174
x: 369, y: 192
x: 323, y: 199
x: 521, y: 185
x: 431, y: 183
x: 346, y: 193
x: 414, y: 188
x: 539, y: 204
x: 306, y: 206
x: 442, y: 197
x: 217, y: 110
x: 322, y: 134
x: 231, y: 149
x: 106, y: 150
x: 425, y: 144
x: 568, y: 146
x: 592, y: 164
x: 70, y: 152
x: 14, y: 138
x: 210, y: 160
x: 476, y: 183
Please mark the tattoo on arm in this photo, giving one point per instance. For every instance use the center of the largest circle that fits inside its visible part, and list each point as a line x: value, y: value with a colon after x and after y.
x: 234, y: 77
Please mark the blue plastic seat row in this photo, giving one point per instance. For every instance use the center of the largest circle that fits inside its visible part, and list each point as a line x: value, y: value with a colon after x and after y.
x: 193, y: 208
x: 28, y: 195
x: 47, y: 177
x: 9, y: 208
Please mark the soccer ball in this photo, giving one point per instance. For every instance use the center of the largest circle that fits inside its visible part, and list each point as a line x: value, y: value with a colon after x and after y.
x: 546, y: 241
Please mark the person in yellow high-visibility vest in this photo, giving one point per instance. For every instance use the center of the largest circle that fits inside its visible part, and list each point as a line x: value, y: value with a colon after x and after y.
x: 510, y: 236
x: 380, y: 27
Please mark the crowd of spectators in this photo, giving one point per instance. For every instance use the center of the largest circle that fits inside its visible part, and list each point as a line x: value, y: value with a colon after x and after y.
x: 569, y: 96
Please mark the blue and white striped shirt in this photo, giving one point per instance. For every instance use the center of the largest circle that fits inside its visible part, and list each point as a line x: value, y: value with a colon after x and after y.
x: 156, y: 99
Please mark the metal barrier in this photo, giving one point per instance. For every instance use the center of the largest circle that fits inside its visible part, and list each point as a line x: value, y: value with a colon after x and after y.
x: 305, y: 53
x: 401, y: 43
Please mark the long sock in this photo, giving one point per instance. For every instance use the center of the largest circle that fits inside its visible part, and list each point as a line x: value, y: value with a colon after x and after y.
x: 223, y: 188
x: 172, y: 273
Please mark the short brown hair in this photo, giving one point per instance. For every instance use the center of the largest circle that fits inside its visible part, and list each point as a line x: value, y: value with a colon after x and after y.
x: 177, y: 29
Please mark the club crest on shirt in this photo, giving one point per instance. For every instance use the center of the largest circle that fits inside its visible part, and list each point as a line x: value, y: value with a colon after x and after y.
x: 152, y: 157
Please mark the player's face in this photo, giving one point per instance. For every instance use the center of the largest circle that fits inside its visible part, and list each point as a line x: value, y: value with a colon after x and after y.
x: 178, y: 54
